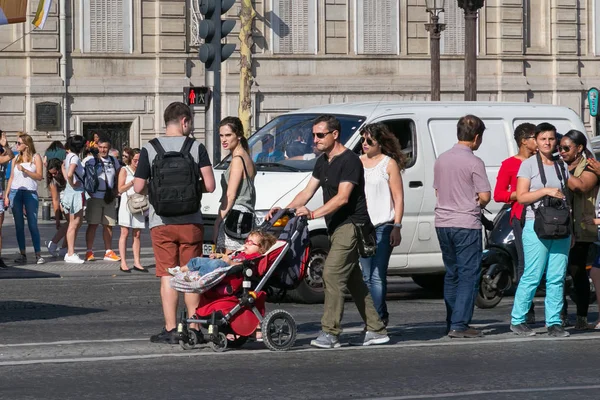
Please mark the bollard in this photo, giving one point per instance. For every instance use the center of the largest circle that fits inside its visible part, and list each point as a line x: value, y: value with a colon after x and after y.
x: 46, y: 211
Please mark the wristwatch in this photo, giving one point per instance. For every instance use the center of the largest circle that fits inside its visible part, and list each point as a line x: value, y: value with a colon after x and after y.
x: 398, y: 226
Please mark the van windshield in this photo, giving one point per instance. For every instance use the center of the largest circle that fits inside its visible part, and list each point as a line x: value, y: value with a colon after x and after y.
x: 286, y: 142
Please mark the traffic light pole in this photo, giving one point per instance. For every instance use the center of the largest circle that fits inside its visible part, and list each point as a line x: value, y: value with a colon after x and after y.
x: 212, y: 53
x: 216, y: 113
x: 209, y: 125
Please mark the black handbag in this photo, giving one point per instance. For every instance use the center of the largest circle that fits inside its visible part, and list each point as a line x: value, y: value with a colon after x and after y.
x: 552, y: 215
x: 238, y: 224
x: 366, y: 238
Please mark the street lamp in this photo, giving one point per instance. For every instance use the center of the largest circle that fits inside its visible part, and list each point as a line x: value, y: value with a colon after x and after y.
x: 471, y: 8
x: 434, y: 8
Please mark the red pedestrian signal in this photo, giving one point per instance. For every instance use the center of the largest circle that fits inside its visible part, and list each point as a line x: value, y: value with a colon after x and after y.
x: 195, y: 96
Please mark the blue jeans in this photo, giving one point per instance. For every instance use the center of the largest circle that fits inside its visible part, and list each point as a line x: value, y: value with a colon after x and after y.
x: 461, y: 252
x: 541, y: 255
x: 28, y: 199
x: 204, y: 265
x: 374, y: 269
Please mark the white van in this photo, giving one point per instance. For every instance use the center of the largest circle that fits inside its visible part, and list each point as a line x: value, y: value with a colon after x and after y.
x: 425, y: 130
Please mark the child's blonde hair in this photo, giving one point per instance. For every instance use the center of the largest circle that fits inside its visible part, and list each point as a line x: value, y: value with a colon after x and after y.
x: 265, y: 240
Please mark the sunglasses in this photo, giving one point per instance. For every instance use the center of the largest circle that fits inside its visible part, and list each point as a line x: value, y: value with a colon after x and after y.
x: 250, y: 242
x: 366, y: 139
x: 564, y: 149
x: 321, y: 135
x: 18, y: 143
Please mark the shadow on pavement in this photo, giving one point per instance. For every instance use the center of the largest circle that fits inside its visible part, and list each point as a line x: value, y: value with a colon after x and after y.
x: 14, y: 311
x: 19, y: 273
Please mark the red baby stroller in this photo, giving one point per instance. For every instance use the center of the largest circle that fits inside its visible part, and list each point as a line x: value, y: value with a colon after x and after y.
x: 236, y: 306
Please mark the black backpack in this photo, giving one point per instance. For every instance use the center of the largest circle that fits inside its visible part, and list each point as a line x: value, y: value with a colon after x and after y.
x: 552, y: 215
x: 175, y: 187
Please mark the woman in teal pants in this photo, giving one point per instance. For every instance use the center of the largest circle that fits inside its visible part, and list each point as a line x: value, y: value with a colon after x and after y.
x: 541, y: 255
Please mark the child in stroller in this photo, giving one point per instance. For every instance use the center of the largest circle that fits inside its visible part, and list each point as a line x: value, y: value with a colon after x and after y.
x: 232, y: 309
x: 257, y: 244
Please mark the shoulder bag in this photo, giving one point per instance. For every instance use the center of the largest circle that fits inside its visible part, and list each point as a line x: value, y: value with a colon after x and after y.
x: 552, y: 215
x: 366, y: 238
x: 238, y: 224
x: 137, y: 203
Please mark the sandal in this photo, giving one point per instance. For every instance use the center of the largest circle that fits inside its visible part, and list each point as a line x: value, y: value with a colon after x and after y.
x: 140, y: 269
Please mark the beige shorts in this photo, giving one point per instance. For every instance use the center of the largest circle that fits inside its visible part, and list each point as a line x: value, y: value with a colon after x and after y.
x: 98, y: 212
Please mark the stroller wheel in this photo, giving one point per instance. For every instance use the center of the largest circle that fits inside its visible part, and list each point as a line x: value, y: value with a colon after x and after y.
x: 279, y: 330
x: 219, y: 343
x: 189, y: 339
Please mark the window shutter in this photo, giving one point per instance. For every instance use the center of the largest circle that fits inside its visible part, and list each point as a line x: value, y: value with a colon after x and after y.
x: 377, y: 26
x: 294, y: 26
x: 453, y: 37
x: 108, y: 26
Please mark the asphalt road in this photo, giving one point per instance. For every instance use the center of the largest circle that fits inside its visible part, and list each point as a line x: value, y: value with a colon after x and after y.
x: 81, y: 332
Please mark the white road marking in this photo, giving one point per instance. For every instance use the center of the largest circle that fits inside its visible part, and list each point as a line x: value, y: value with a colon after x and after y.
x: 253, y: 352
x: 484, y: 392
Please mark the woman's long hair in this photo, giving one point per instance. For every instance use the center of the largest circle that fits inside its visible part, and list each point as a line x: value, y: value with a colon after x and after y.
x: 390, y: 146
x: 55, y: 145
x: 55, y: 163
x: 236, y: 126
x: 29, y: 152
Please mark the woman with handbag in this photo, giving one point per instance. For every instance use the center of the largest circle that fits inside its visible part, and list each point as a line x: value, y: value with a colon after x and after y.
x: 235, y: 219
x: 383, y: 162
x: 541, y: 188
x: 131, y: 213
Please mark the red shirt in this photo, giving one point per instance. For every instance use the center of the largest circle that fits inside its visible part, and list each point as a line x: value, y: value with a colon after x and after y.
x: 506, y: 184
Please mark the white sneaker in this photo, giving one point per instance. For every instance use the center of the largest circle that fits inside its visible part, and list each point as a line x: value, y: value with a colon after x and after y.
x: 40, y: 260
x: 73, y: 259
x: 174, y: 271
x: 52, y: 248
x: 62, y: 252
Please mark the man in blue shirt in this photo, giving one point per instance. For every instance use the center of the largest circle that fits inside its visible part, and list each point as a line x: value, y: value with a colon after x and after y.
x: 269, y: 154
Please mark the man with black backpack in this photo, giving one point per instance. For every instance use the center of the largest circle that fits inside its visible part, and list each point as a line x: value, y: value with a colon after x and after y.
x: 99, y: 181
x: 177, y: 170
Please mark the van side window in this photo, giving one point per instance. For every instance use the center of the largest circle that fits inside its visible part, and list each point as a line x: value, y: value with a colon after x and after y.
x: 405, y: 131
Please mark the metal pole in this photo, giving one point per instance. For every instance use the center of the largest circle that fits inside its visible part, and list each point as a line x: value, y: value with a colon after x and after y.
x: 435, y: 32
x: 470, y: 54
x: 209, y: 124
x: 216, y: 104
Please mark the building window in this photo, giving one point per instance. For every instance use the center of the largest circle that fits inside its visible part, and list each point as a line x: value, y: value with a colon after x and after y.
x: 377, y: 26
x: 453, y: 37
x: 107, y: 26
x: 294, y: 25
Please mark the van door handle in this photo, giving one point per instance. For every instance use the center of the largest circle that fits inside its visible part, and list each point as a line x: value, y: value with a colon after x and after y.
x: 415, y: 184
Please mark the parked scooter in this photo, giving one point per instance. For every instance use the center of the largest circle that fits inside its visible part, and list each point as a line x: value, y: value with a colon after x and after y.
x: 500, y: 261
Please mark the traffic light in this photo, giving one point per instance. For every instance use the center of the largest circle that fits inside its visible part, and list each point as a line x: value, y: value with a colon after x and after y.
x: 212, y: 29
x: 195, y: 96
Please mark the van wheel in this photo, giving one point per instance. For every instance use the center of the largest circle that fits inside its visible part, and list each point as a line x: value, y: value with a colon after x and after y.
x: 431, y: 282
x: 310, y: 291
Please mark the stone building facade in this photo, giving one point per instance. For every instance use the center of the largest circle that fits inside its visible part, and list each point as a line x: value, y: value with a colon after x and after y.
x: 113, y: 65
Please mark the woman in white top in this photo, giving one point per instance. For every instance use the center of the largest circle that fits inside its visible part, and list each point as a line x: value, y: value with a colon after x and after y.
x: 73, y: 196
x: 24, y: 176
x: 127, y: 220
x: 383, y: 162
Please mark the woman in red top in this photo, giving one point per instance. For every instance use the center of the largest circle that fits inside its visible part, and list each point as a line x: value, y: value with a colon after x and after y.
x: 506, y: 184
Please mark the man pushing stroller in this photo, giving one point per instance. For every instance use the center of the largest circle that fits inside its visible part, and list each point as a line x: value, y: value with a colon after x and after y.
x: 339, y: 172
